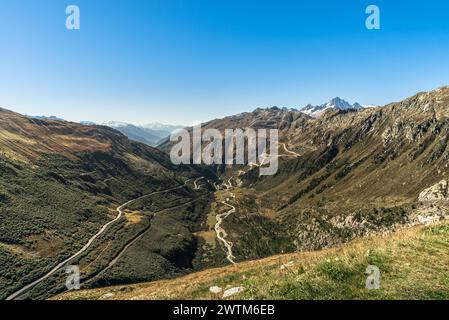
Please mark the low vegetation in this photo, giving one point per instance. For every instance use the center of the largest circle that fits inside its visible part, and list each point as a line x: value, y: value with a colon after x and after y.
x: 57, y: 189
x: 414, y: 264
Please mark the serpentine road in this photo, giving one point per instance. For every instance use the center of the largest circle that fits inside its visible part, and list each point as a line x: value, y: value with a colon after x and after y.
x: 140, y: 235
x: 292, y: 153
x: 221, y: 233
x: 89, y: 243
x: 196, y: 186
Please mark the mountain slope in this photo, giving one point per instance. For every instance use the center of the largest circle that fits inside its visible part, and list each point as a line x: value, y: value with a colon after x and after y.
x: 345, y: 175
x: 406, y: 260
x: 60, y: 182
x: 359, y: 172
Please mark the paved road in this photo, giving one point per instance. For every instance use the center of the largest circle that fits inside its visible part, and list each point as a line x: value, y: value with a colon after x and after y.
x: 292, y: 153
x: 141, y: 234
x: 196, y: 186
x: 89, y: 243
x: 221, y: 233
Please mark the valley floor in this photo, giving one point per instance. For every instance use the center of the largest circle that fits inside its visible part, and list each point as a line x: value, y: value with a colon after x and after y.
x: 413, y: 263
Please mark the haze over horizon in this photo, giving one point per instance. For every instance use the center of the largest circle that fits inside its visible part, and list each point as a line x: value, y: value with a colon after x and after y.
x: 179, y: 63
x: 143, y: 122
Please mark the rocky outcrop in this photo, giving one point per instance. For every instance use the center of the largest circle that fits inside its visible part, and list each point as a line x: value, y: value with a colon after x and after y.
x: 436, y: 192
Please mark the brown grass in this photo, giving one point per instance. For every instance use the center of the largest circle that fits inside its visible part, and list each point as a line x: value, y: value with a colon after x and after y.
x: 183, y: 287
x: 24, y: 139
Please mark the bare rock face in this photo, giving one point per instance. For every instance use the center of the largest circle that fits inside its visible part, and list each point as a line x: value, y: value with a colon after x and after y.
x: 438, y: 191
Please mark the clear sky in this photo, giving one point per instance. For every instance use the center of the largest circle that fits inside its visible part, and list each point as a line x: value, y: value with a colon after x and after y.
x: 184, y: 61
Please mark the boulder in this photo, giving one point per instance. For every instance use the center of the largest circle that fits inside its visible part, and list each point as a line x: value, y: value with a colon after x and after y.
x: 436, y: 192
x: 233, y: 291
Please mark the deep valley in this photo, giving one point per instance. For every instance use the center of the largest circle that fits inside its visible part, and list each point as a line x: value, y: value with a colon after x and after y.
x: 344, y: 176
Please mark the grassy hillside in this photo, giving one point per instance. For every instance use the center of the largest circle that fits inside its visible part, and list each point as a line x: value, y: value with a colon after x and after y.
x: 60, y: 182
x: 358, y: 173
x: 414, y: 264
x: 344, y: 176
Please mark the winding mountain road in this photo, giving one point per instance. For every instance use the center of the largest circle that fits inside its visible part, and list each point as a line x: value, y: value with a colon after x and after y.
x: 140, y: 236
x: 292, y: 153
x: 221, y: 233
x: 196, y: 186
x: 89, y: 243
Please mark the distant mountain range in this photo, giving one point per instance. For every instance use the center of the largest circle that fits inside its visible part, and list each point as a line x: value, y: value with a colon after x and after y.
x: 140, y: 134
x: 151, y: 134
x: 162, y: 127
x: 47, y: 118
x: 154, y: 134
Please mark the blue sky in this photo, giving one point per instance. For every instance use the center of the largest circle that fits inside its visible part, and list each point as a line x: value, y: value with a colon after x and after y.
x: 183, y: 61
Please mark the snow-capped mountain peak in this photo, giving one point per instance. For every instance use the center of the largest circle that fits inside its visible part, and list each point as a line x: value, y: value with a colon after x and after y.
x: 335, y: 103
